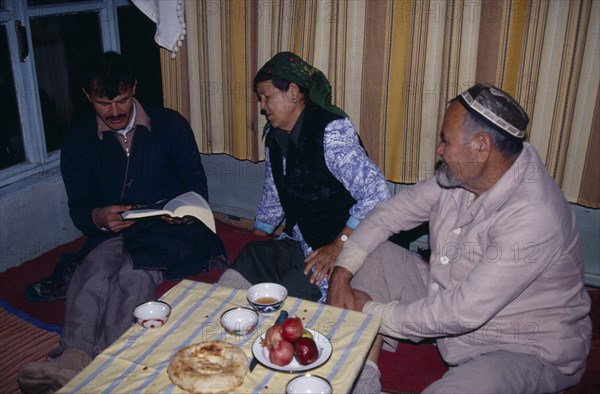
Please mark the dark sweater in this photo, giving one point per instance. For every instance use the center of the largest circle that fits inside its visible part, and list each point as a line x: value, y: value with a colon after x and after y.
x: 164, y: 162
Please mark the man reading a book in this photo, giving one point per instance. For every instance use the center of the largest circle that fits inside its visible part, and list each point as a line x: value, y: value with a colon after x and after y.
x: 125, y: 155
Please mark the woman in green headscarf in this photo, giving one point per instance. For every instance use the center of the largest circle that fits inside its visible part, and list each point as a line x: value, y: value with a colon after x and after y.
x: 317, y: 177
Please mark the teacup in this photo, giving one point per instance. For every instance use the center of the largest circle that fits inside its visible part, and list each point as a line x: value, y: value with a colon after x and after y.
x: 239, y: 321
x: 308, y: 384
x: 267, y: 297
x: 152, y: 314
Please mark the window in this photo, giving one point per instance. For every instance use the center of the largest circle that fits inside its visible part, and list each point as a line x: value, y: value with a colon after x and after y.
x: 11, y: 142
x: 42, y: 46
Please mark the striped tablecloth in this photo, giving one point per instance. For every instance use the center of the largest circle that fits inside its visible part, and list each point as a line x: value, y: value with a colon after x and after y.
x: 138, y: 361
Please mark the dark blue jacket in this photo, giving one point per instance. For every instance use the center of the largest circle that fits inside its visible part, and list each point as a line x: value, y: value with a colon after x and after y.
x: 164, y: 163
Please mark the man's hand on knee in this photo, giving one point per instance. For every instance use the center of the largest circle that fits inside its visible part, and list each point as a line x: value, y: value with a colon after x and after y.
x: 340, y: 292
x: 360, y: 299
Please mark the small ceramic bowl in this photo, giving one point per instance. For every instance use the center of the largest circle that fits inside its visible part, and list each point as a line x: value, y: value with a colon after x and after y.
x: 239, y: 321
x: 308, y: 384
x: 152, y: 314
x: 267, y: 297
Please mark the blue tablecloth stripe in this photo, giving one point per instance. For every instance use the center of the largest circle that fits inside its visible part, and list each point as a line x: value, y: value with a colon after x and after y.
x: 163, y: 337
x: 162, y: 366
x: 348, y: 349
x: 197, y: 308
x: 260, y: 387
x: 107, y: 363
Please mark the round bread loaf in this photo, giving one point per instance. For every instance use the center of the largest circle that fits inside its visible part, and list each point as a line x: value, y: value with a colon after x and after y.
x: 208, y: 367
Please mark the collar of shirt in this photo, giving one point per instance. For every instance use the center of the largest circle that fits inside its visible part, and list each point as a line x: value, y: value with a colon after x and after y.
x: 139, y: 118
x: 283, y: 137
x: 526, y: 168
x: 129, y: 126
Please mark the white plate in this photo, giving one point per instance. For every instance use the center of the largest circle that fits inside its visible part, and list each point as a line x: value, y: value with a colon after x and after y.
x: 262, y: 354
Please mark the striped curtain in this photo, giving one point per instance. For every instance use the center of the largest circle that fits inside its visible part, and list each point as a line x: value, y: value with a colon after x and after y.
x: 393, y: 66
x: 545, y: 53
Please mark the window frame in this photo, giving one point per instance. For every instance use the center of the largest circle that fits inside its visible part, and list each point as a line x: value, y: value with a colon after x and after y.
x: 37, y: 159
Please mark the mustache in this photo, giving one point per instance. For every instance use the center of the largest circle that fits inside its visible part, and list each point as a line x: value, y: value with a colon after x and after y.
x: 111, y: 117
x: 439, y: 164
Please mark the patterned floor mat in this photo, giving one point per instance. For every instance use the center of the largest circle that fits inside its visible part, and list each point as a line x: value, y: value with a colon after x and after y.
x: 22, y: 340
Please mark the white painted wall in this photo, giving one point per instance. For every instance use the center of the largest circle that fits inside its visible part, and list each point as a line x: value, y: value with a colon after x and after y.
x: 34, y: 216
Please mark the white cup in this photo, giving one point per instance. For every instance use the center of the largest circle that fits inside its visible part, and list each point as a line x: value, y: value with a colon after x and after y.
x: 152, y: 314
x: 308, y: 383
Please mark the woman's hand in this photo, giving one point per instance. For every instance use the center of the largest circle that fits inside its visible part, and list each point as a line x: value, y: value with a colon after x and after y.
x: 256, y: 231
x: 323, y: 260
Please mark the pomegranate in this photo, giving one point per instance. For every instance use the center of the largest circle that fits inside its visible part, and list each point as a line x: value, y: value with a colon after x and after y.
x: 281, y: 353
x: 291, y: 329
x: 306, y: 351
x: 272, y: 336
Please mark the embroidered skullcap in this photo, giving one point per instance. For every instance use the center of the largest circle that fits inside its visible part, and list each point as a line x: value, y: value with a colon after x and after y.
x: 288, y: 65
x: 496, y: 109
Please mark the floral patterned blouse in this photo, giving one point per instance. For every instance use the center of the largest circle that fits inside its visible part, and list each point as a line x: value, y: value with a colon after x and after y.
x: 349, y: 163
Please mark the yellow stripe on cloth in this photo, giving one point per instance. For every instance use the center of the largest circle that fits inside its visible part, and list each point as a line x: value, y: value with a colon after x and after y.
x: 138, y: 361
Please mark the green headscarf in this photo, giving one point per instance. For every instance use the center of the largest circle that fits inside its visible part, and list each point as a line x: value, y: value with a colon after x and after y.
x: 288, y: 65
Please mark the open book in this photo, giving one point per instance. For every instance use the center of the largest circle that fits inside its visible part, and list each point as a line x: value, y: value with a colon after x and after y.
x: 187, y: 204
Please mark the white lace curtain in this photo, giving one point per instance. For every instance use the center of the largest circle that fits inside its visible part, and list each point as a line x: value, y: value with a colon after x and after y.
x: 169, y: 17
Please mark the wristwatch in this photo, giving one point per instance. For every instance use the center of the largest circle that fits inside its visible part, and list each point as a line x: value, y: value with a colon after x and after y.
x: 343, y: 237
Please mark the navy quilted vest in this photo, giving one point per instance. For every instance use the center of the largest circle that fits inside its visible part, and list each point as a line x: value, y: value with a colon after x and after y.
x: 309, y: 193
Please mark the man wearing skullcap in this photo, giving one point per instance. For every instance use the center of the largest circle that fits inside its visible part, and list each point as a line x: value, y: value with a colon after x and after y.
x: 503, y: 292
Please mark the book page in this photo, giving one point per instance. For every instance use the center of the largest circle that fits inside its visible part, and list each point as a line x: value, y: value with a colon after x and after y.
x: 192, y: 204
x: 142, y: 213
x: 187, y: 204
x: 187, y: 199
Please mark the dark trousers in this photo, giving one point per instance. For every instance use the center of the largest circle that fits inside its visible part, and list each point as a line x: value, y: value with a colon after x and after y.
x: 279, y: 261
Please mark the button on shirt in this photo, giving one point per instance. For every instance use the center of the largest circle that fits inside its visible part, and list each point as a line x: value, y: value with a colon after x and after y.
x: 511, y: 279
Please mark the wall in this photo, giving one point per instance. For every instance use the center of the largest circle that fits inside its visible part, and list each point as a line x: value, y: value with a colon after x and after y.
x: 235, y: 186
x: 34, y: 218
x: 34, y: 215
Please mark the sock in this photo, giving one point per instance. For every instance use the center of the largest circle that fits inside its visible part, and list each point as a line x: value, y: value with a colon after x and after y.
x: 368, y: 380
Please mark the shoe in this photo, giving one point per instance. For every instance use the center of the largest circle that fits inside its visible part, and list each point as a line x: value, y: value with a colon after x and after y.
x: 51, y: 375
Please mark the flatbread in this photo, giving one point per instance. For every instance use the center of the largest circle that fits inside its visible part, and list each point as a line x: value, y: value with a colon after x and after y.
x: 208, y: 367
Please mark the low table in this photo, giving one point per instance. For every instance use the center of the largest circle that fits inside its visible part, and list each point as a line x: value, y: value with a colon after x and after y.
x: 138, y: 360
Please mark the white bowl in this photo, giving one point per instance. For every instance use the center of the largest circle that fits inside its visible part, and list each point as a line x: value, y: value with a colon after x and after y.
x: 239, y: 321
x: 308, y: 384
x: 152, y: 314
x: 267, y: 297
